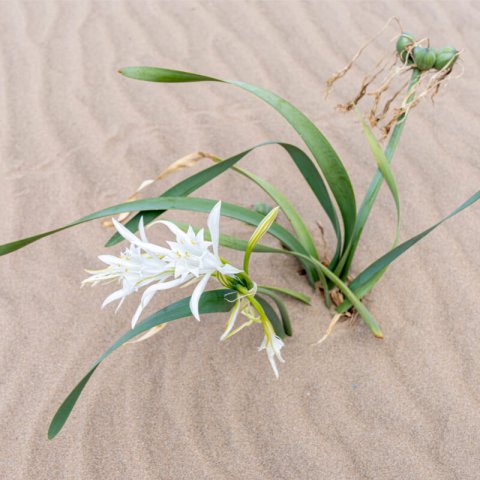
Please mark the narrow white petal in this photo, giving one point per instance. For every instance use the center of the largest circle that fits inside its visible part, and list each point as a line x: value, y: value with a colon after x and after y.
x: 271, y: 359
x: 141, y: 229
x: 214, y: 226
x: 137, y: 314
x: 227, y: 269
x: 164, y: 286
x: 150, y: 292
x: 110, y: 259
x: 125, y: 232
x: 178, y: 232
x: 114, y: 296
x: 197, y: 293
x: 231, y: 320
x: 128, y: 235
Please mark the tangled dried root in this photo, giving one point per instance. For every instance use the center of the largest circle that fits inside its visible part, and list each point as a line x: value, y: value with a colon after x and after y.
x: 391, y: 98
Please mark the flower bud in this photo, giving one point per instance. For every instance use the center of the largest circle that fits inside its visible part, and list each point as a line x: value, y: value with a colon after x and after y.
x: 424, y: 57
x: 444, y: 56
x: 404, y: 42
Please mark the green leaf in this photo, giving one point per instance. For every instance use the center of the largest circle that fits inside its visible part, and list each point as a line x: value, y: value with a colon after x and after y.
x: 376, y: 183
x: 288, y: 291
x: 272, y: 316
x: 262, y: 208
x: 326, y: 157
x: 315, y: 182
x: 166, y: 203
x: 387, y: 173
x: 364, y: 282
x: 210, y: 302
x: 287, y: 326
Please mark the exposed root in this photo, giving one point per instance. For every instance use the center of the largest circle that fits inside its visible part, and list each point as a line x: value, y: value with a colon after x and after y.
x: 341, y: 73
x: 324, y: 242
x: 337, y: 297
x: 330, y: 328
x: 391, y: 100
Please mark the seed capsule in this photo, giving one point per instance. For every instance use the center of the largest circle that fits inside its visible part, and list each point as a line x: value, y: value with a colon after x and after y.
x: 444, y: 56
x: 404, y: 42
x: 424, y: 57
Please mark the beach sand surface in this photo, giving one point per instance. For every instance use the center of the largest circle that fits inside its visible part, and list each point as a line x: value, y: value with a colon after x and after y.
x: 76, y: 136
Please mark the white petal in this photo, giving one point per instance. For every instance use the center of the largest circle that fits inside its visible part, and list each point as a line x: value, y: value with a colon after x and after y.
x: 214, y: 226
x: 271, y: 359
x: 125, y: 232
x: 197, y: 293
x: 114, y: 296
x: 231, y: 320
x: 178, y: 232
x: 128, y: 235
x: 150, y: 292
x: 227, y: 269
x: 110, y: 260
x: 141, y: 229
x: 137, y: 314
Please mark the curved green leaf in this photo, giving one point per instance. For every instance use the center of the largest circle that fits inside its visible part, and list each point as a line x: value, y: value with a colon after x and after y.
x: 288, y: 291
x: 366, y: 280
x: 326, y: 157
x: 287, y: 326
x: 277, y: 324
x: 376, y: 183
x: 387, y: 173
x: 210, y: 302
x: 315, y: 181
x: 167, y: 203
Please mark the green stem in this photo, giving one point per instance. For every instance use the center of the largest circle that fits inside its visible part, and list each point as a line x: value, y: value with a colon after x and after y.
x: 376, y: 183
x: 254, y: 302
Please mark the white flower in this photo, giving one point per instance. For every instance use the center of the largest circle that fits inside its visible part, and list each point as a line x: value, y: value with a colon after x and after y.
x: 187, y: 258
x: 134, y: 269
x: 273, y: 344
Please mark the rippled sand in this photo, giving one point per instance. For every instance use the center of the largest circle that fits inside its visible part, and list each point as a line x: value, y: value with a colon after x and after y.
x: 75, y: 137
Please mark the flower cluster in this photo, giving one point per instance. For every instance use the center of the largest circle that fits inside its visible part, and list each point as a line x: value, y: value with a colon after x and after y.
x: 188, y: 259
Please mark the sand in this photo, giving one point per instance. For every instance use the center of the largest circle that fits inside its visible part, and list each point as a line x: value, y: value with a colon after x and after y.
x: 76, y: 137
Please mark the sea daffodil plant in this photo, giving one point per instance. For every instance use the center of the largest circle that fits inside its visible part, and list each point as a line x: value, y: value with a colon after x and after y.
x: 194, y: 254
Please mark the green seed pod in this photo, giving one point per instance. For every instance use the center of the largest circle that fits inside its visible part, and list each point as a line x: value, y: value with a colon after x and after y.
x: 424, y: 57
x: 445, y: 55
x: 405, y: 40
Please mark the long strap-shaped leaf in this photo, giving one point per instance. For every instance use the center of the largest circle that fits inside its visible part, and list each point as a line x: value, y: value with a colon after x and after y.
x: 387, y: 173
x: 210, y: 302
x: 366, y: 280
x: 167, y: 203
x: 317, y: 185
x: 326, y: 157
x: 376, y: 183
